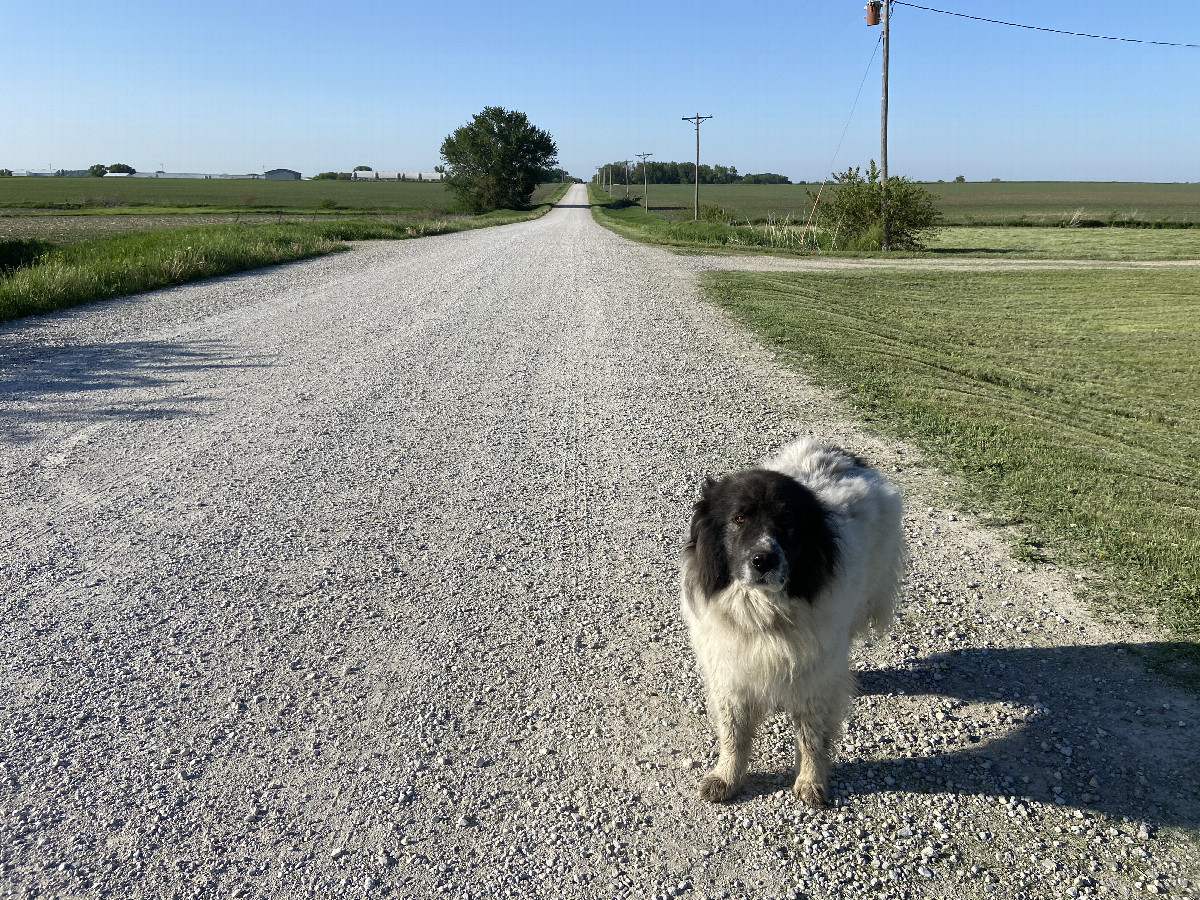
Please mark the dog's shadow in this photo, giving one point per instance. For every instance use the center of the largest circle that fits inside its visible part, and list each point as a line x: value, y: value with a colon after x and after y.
x: 1102, y: 734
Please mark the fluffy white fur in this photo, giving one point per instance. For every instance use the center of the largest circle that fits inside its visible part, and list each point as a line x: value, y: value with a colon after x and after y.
x: 761, y: 651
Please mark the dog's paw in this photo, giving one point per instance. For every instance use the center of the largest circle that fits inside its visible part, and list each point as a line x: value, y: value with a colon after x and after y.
x: 811, y: 793
x: 716, y: 789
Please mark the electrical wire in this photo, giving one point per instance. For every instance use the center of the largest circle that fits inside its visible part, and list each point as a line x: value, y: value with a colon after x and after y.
x: 1100, y: 37
x: 849, y: 119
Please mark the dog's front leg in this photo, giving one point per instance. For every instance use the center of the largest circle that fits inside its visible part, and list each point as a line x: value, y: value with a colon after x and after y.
x: 735, y: 722
x: 813, y: 754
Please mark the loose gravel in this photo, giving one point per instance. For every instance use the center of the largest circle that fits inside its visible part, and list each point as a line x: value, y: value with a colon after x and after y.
x: 358, y: 575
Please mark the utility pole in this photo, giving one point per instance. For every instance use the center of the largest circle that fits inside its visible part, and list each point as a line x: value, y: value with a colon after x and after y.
x: 645, y: 178
x: 697, y: 119
x: 598, y: 169
x: 886, y: 243
x: 627, y: 179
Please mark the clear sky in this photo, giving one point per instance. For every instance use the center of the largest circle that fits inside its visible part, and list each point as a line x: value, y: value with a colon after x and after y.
x: 226, y: 86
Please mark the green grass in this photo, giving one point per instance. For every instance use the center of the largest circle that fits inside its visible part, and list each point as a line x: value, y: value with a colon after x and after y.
x: 980, y: 242
x: 107, y: 194
x: 1070, y: 400
x: 1068, y: 243
x: 40, y: 277
x: 635, y: 223
x: 970, y: 203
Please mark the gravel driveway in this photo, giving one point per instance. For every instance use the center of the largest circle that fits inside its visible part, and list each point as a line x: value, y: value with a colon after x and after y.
x: 357, y: 577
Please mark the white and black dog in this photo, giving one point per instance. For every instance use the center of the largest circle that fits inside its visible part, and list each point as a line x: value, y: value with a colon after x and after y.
x: 784, y: 566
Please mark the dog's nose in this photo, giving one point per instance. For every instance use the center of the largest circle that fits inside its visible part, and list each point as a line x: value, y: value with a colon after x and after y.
x: 764, y: 562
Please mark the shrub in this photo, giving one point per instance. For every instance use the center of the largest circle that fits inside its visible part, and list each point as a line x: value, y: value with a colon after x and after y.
x: 854, y: 211
x: 713, y: 213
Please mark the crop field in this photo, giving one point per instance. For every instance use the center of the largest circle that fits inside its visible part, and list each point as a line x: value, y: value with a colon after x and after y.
x: 1069, y: 399
x: 218, y: 193
x: 1049, y: 203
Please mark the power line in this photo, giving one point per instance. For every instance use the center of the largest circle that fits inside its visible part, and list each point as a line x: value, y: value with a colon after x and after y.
x: 849, y: 119
x: 1099, y: 37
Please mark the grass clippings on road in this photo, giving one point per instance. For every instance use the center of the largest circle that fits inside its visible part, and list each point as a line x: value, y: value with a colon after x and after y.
x: 1070, y: 399
x: 45, y: 277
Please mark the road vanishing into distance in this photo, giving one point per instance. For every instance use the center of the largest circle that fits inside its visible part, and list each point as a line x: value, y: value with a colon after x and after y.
x: 358, y: 577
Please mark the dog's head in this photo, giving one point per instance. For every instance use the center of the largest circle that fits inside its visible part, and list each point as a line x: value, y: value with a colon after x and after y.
x: 764, y: 530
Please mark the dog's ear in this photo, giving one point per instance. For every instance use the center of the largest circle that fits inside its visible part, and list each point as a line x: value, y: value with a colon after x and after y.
x: 706, y: 543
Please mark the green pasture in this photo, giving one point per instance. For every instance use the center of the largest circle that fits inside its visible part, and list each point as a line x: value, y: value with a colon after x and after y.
x: 1070, y: 399
x: 1051, y: 203
x: 107, y: 194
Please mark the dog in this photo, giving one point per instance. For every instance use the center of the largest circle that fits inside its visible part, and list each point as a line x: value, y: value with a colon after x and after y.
x: 784, y: 566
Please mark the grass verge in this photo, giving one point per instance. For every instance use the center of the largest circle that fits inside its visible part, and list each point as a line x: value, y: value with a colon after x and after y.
x: 636, y: 224
x: 1117, y: 244
x: 39, y: 277
x: 1070, y: 400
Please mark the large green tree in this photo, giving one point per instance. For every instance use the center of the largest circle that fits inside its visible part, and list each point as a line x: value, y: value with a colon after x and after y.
x: 497, y: 159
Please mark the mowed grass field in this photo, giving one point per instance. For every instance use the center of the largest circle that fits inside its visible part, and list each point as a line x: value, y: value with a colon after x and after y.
x: 1069, y: 399
x: 108, y: 194
x: 970, y: 203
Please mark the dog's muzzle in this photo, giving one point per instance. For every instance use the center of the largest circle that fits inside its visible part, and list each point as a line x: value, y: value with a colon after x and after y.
x: 766, y: 566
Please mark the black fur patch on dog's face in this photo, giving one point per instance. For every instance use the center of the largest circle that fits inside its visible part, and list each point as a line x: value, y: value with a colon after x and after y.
x: 744, y: 513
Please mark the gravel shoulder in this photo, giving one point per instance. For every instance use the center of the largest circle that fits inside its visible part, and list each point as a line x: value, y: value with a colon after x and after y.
x: 358, y: 575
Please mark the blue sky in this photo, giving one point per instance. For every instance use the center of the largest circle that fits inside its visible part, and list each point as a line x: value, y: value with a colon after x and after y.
x: 235, y: 87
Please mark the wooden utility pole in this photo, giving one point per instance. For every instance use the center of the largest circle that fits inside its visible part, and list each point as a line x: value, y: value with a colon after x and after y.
x: 697, y: 119
x: 626, y: 179
x: 645, y: 179
x: 886, y: 243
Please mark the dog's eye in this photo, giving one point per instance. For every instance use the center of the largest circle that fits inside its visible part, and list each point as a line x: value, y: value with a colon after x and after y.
x: 739, y: 520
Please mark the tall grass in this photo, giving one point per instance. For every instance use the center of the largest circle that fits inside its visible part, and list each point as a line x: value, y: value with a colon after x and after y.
x: 59, y: 277
x: 1070, y: 399
x: 139, y: 261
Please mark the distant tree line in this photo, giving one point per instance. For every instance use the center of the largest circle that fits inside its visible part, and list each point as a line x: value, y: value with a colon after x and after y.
x: 99, y: 170
x: 685, y: 173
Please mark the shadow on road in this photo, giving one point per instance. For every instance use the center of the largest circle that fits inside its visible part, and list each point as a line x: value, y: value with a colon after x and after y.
x: 128, y: 380
x: 1084, y: 727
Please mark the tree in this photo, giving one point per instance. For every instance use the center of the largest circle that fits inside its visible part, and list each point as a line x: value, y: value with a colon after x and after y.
x: 99, y: 170
x: 854, y: 215
x: 960, y: 178
x: 6, y: 173
x: 122, y: 167
x: 766, y: 178
x: 363, y: 169
x: 495, y: 161
x: 325, y: 176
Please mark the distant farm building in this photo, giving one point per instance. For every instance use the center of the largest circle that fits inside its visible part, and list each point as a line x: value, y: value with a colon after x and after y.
x: 282, y: 175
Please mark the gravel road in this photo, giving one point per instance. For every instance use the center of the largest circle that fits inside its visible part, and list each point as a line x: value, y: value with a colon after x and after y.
x: 357, y: 577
